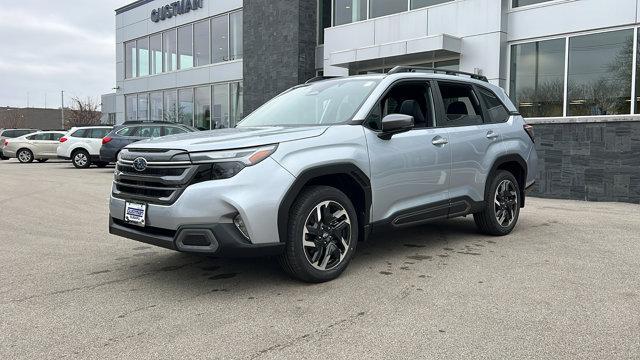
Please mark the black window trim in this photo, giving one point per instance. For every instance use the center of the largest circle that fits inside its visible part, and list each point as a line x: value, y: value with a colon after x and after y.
x: 506, y: 108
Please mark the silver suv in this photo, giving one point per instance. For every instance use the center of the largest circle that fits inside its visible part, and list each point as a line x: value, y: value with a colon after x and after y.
x: 318, y: 168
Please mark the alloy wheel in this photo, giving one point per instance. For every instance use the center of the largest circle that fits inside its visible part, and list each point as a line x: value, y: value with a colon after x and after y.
x: 80, y: 159
x: 326, y: 235
x: 24, y: 156
x: 505, y: 203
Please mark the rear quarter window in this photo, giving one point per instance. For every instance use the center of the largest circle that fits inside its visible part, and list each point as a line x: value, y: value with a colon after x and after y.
x: 498, y: 113
x: 79, y: 133
x: 127, y: 131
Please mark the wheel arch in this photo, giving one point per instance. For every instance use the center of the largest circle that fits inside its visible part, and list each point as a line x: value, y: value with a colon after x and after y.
x: 514, y: 164
x: 346, y: 177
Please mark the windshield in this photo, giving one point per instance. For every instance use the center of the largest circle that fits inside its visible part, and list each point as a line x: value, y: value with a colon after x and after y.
x: 319, y: 103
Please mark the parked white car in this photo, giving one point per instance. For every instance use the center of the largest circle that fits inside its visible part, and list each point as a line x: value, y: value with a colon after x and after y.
x: 40, y: 146
x: 82, y: 145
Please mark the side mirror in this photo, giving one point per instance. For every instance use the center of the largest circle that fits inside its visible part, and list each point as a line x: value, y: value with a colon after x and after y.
x: 393, y: 124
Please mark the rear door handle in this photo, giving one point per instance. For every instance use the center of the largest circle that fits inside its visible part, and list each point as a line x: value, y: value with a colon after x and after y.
x: 491, y: 135
x: 439, y: 140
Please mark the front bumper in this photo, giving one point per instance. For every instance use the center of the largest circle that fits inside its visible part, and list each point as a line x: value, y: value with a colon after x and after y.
x: 212, y: 239
x: 255, y: 194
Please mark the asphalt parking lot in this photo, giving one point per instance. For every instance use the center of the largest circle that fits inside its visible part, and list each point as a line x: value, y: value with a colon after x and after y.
x: 565, y: 284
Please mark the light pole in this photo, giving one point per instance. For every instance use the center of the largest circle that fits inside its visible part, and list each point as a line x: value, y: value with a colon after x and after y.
x: 62, y: 108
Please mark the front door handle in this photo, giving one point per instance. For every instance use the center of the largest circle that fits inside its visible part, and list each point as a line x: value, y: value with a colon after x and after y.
x: 491, y: 135
x: 439, y: 140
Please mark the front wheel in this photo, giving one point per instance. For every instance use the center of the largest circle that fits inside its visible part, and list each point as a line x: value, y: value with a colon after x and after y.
x: 81, y: 159
x: 322, y: 235
x: 25, y: 156
x: 502, y: 206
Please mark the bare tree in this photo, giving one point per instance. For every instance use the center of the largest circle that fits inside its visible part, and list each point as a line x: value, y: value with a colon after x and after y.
x: 83, y: 112
x: 11, y: 119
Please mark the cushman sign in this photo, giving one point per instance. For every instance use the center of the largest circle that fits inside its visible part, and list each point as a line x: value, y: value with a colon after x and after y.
x: 174, y: 9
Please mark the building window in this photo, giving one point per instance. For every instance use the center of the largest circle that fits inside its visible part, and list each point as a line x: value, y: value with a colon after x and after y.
x: 203, y: 108
x: 111, y: 119
x: 130, y: 60
x: 599, y: 79
x: 170, y: 48
x: 131, y: 107
x: 416, y: 4
x: 143, y: 56
x: 537, y: 78
x: 379, y: 8
x: 155, y: 49
x: 185, y: 47
x: 155, y: 105
x: 324, y: 18
x: 170, y: 109
x: 220, y: 106
x: 237, y: 94
x: 348, y: 11
x: 235, y: 35
x: 518, y: 3
x: 201, y: 43
x: 220, y: 39
x: 185, y: 106
x: 143, y: 107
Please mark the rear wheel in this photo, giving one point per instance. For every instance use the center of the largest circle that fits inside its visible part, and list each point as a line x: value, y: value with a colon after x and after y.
x: 322, y: 235
x: 25, y: 156
x: 502, y: 206
x: 80, y: 159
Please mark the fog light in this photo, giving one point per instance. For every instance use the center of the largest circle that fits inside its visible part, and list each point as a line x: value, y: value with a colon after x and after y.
x: 239, y: 223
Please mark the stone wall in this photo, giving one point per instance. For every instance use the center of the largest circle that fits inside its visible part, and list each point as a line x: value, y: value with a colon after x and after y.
x: 279, y: 47
x: 594, y: 161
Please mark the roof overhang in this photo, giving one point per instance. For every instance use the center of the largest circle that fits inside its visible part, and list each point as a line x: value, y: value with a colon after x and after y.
x: 435, y: 46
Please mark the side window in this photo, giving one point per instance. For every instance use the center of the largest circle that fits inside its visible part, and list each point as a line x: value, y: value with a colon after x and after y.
x: 498, y: 113
x: 43, y: 136
x: 128, y: 131
x: 173, y: 130
x: 56, y: 136
x: 98, y: 133
x: 409, y: 98
x: 9, y: 134
x: 79, y: 133
x: 461, y: 105
x: 32, y: 137
x: 149, y: 131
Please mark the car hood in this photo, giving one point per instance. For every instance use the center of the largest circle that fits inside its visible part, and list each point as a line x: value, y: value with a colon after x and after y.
x: 223, y: 139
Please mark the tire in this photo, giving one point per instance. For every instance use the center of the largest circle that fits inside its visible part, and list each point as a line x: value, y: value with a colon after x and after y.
x: 3, y: 157
x: 327, y: 256
x: 25, y: 156
x: 102, y: 164
x: 42, y: 160
x: 81, y: 159
x: 502, y: 209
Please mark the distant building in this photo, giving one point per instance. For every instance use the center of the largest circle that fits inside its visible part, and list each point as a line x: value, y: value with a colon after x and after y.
x: 108, y: 108
x: 36, y: 118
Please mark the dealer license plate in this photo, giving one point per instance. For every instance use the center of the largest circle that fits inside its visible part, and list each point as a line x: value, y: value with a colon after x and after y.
x: 135, y: 213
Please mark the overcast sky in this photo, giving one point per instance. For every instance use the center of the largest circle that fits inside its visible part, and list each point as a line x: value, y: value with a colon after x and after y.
x: 48, y: 46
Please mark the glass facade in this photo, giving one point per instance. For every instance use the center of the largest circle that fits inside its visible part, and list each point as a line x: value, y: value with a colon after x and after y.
x: 379, y: 8
x: 205, y: 107
x: 324, y: 18
x: 185, y: 47
x: 598, y: 75
x: 599, y: 79
x: 213, y: 40
x: 348, y: 11
x: 537, y: 78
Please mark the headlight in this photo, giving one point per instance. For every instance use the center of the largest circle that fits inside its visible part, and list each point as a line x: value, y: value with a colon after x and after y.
x: 248, y: 156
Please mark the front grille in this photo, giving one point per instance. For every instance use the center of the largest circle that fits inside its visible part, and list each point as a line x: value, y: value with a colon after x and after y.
x: 166, y: 176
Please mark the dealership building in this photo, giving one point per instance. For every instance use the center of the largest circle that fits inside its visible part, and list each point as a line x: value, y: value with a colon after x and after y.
x: 570, y: 67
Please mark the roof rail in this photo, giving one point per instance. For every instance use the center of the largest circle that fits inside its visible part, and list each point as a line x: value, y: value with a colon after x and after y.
x: 133, y: 122
x: 403, y: 69
x: 320, y: 78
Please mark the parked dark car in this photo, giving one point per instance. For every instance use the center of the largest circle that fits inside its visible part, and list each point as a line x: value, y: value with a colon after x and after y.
x: 130, y: 132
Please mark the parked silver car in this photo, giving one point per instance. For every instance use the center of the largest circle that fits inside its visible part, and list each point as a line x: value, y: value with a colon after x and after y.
x: 316, y: 169
x: 40, y: 146
x: 6, y: 134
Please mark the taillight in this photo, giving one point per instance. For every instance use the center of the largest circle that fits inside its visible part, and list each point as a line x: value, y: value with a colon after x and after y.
x: 529, y: 129
x: 6, y: 143
x: 63, y: 139
x: 106, y: 139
